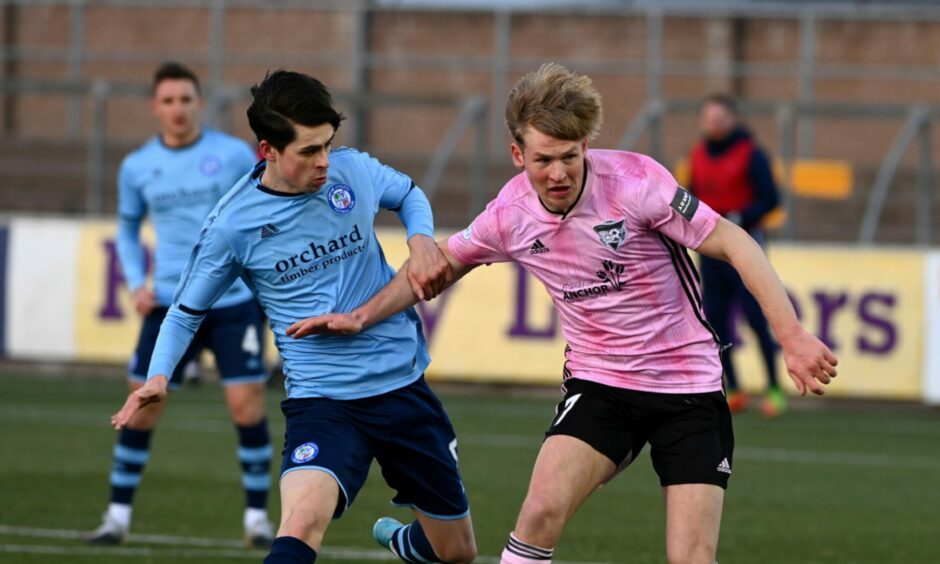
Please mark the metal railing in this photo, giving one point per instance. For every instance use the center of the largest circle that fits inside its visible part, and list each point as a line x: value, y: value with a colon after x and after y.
x: 356, y: 58
x: 469, y: 114
x: 917, y: 126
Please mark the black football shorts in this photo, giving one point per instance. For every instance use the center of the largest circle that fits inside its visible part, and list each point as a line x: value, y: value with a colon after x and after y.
x: 690, y: 435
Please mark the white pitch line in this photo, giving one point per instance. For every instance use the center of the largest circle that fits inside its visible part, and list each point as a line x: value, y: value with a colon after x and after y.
x: 99, y: 417
x: 202, y: 547
x: 223, y: 547
x: 187, y: 554
x: 756, y: 454
x: 534, y: 441
x: 837, y: 458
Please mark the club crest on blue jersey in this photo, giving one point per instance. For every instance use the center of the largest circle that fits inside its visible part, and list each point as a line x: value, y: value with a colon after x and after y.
x: 305, y: 453
x: 341, y: 198
x: 211, y: 165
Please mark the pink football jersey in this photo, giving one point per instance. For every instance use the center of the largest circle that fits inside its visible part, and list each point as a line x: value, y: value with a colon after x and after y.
x: 617, y: 269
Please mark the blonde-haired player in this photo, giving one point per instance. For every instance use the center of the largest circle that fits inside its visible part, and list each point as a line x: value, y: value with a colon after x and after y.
x: 606, y: 232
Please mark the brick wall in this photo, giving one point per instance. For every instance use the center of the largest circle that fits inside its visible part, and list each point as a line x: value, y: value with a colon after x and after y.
x: 451, y: 53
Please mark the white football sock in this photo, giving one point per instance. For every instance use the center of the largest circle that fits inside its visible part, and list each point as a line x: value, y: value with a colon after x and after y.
x: 120, y: 513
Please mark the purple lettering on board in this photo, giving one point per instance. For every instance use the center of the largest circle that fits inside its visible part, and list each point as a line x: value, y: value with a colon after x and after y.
x: 520, y: 326
x: 796, y: 305
x: 882, y: 323
x: 828, y: 304
x: 735, y: 316
x: 431, y: 314
x: 114, y: 280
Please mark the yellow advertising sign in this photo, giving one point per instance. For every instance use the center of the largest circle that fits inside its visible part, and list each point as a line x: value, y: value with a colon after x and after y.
x: 499, y: 324
x: 866, y: 304
x: 106, y: 324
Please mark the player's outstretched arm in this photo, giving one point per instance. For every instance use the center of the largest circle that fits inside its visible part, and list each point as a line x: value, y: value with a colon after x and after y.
x: 809, y: 361
x: 152, y: 392
x: 428, y: 270
x: 396, y: 296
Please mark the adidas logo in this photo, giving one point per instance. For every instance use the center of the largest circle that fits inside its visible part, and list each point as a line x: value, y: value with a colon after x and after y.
x: 724, y: 466
x: 269, y: 230
x: 538, y: 248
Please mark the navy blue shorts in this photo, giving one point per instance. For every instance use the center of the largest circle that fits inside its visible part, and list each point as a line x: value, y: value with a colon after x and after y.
x: 233, y: 334
x: 405, y: 430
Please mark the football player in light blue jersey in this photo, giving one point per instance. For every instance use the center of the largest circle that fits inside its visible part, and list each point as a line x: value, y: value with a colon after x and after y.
x: 299, y: 231
x: 176, y: 179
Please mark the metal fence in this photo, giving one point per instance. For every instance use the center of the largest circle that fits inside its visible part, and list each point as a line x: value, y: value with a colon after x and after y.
x: 916, y: 129
x: 355, y: 58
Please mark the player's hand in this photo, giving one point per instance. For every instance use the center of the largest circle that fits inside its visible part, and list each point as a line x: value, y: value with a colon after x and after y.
x: 429, y: 271
x: 810, y: 362
x: 151, y: 392
x: 144, y: 301
x: 329, y: 324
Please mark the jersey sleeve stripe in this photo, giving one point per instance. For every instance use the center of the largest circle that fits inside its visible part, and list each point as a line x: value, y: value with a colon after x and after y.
x: 400, y: 204
x: 191, y: 311
x: 688, y: 286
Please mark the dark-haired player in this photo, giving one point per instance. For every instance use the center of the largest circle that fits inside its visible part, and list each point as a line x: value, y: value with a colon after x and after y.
x: 298, y: 229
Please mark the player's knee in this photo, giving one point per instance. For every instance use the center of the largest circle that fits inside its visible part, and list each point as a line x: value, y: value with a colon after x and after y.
x: 304, y: 524
x: 147, y: 417
x: 246, y: 415
x: 542, y: 514
x: 246, y: 409
x: 458, y: 551
x: 699, y: 551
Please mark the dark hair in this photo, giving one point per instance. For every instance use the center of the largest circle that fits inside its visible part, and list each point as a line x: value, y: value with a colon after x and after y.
x: 172, y: 70
x: 284, y: 98
x: 727, y: 101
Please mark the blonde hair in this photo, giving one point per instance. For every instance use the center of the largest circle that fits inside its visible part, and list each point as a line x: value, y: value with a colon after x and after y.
x: 555, y: 101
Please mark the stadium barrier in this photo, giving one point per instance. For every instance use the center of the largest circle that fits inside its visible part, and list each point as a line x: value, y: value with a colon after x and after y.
x: 877, y: 308
x: 932, y: 329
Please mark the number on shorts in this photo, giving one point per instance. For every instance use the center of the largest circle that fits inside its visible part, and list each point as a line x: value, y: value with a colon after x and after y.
x: 453, y: 449
x: 569, y: 403
x: 251, y: 344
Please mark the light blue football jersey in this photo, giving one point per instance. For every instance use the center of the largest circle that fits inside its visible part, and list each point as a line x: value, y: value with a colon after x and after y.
x: 177, y: 188
x: 304, y: 255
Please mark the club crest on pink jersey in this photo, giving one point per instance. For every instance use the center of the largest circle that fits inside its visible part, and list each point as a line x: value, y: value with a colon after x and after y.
x: 611, y: 233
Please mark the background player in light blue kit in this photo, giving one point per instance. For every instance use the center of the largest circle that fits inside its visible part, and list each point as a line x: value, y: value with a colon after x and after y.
x: 299, y: 230
x: 176, y: 179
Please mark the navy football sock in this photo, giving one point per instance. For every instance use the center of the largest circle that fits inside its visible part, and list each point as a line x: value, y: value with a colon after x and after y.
x: 130, y: 456
x: 411, y: 545
x: 254, y: 454
x: 290, y: 550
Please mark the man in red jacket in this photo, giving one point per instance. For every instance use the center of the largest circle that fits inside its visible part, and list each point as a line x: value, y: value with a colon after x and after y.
x: 731, y: 174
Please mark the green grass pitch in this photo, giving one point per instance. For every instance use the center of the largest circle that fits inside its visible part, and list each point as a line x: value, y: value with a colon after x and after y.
x: 827, y: 482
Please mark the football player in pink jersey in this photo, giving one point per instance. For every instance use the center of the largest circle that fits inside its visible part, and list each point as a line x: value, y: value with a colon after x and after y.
x: 606, y: 232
